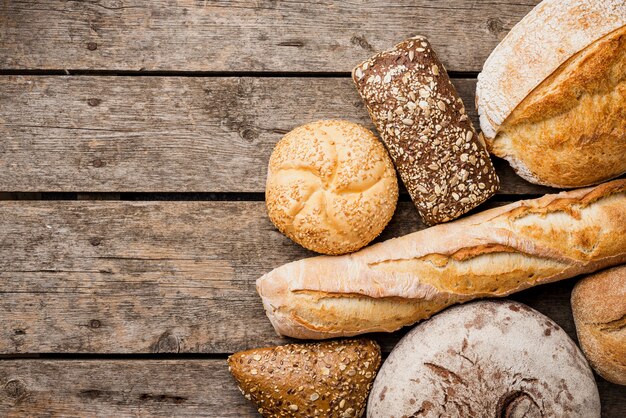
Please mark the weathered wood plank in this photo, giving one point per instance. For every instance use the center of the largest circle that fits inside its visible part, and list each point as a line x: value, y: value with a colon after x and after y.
x: 241, y: 35
x: 123, y: 388
x: 154, y: 388
x: 126, y: 277
x: 166, y: 134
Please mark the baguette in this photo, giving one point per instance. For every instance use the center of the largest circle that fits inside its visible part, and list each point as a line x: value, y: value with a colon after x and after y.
x: 491, y: 254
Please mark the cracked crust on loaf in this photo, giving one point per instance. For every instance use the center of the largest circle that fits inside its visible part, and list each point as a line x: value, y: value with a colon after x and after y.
x: 551, y: 96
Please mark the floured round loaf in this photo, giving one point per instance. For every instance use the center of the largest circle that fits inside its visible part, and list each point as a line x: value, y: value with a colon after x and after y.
x: 485, y: 359
x: 331, y: 186
x: 552, y: 96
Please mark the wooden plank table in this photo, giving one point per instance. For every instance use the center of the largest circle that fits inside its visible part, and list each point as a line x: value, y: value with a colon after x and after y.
x: 134, y: 143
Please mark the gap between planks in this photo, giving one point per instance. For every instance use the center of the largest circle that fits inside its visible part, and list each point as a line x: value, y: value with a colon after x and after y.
x: 168, y: 35
x: 168, y: 134
x: 204, y: 74
x: 158, y: 277
x: 156, y: 388
x: 192, y: 196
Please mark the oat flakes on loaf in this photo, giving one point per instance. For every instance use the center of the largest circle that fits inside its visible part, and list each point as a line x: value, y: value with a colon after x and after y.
x: 328, y: 379
x: 422, y: 120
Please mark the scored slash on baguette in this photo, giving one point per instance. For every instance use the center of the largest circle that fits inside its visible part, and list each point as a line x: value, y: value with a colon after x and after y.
x: 490, y: 254
x: 327, y: 379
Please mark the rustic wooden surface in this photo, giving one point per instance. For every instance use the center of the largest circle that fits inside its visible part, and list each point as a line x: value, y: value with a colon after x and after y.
x: 141, y: 277
x: 134, y: 143
x: 120, y: 388
x: 146, y: 388
x: 265, y: 35
x: 104, y: 134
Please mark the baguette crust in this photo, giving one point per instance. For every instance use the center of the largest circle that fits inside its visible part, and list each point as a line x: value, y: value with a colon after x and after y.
x: 407, y: 279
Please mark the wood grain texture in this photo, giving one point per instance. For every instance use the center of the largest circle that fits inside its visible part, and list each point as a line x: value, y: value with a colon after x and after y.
x: 241, y: 35
x: 122, y: 388
x: 137, y: 277
x: 149, y: 388
x: 167, y: 134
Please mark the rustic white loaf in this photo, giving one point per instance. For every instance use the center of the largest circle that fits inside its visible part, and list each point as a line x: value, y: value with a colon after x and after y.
x: 551, y: 96
x: 493, y: 253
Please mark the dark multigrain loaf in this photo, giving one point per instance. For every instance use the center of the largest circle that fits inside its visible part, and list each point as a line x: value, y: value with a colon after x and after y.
x: 328, y: 379
x: 421, y: 118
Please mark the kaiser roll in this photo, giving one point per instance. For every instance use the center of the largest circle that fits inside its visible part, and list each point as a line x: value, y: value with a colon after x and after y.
x: 331, y: 186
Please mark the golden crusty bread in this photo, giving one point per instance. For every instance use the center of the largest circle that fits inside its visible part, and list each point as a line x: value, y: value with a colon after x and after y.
x: 599, y: 308
x: 552, y: 96
x: 331, y: 186
x: 494, y: 253
x: 327, y: 379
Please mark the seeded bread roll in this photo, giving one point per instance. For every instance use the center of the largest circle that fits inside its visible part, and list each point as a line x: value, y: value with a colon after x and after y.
x: 493, y: 253
x: 422, y: 120
x: 599, y: 308
x: 485, y: 359
x: 331, y: 186
x: 329, y: 379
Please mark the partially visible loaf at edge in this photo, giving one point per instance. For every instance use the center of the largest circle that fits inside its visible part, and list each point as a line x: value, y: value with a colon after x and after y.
x: 599, y: 308
x: 552, y: 95
x: 421, y: 119
x: 494, y: 253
